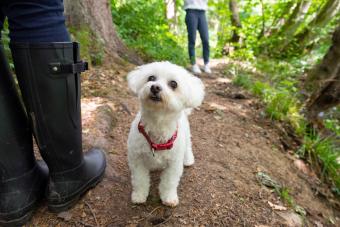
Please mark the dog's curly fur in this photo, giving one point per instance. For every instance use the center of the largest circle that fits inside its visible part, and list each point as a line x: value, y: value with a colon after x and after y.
x: 161, y: 113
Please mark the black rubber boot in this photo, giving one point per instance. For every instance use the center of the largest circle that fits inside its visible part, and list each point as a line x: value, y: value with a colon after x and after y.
x: 22, y: 181
x: 49, y: 77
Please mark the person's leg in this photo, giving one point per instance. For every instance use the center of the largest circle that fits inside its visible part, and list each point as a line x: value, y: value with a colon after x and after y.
x: 191, y: 21
x: 22, y: 181
x: 204, y: 34
x: 48, y: 69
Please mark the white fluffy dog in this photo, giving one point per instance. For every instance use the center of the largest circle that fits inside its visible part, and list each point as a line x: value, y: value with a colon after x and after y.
x: 159, y: 137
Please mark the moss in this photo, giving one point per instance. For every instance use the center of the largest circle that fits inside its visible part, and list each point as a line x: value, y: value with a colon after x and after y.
x: 92, y: 48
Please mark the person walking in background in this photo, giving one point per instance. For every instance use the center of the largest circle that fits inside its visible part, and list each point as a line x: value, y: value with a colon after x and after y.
x: 195, y: 19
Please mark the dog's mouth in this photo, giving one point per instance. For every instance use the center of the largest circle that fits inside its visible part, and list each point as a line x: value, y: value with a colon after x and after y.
x: 155, y: 97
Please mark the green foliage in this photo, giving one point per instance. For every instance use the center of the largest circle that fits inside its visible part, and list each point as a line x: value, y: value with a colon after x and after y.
x: 260, y: 89
x: 91, y: 46
x: 281, y: 102
x: 286, y: 197
x: 5, y: 41
x: 143, y: 26
x: 333, y: 125
x: 263, y: 28
x: 278, y: 105
x: 277, y: 87
x: 331, y: 120
x: 243, y: 54
x: 324, y: 155
x: 243, y: 80
x: 219, y: 11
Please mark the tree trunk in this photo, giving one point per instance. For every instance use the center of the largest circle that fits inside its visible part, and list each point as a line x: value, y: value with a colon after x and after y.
x: 235, y: 41
x: 326, y: 14
x: 235, y: 21
x: 324, y: 81
x: 263, y: 29
x: 280, y: 20
x: 293, y: 23
x: 295, y: 19
x: 171, y: 14
x: 96, y: 16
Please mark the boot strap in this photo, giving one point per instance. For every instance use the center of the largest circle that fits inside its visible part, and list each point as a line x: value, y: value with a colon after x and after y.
x: 59, y: 68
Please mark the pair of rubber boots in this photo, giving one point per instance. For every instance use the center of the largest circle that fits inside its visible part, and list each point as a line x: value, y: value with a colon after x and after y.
x: 48, y: 75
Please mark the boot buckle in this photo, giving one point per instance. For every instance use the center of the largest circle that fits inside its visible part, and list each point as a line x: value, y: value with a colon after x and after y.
x: 73, y: 68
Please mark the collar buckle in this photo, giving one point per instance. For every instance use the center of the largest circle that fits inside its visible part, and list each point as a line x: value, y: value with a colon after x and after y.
x: 157, y: 147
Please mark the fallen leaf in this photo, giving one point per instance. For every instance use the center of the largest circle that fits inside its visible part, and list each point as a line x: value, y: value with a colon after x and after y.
x: 331, y: 220
x: 276, y: 207
x: 292, y: 219
x: 318, y: 224
x: 223, y: 80
x: 66, y: 216
x: 215, y: 106
x: 218, y: 117
x: 301, y: 165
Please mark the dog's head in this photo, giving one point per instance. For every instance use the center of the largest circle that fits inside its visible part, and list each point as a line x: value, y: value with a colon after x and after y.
x: 166, y: 86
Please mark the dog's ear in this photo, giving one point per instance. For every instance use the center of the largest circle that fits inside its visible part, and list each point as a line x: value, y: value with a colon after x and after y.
x: 196, y: 91
x: 135, y: 79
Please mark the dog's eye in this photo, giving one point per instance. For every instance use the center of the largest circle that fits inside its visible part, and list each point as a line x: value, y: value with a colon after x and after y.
x: 152, y: 78
x: 173, y: 84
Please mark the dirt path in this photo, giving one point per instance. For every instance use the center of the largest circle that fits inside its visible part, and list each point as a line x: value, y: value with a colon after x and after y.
x: 232, y: 142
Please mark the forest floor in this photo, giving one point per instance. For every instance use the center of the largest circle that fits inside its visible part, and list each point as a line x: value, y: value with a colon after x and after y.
x: 233, y: 142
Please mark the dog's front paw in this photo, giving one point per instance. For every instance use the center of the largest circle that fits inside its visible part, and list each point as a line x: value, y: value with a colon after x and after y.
x: 188, y: 163
x: 171, y: 201
x: 189, y: 158
x: 138, y: 198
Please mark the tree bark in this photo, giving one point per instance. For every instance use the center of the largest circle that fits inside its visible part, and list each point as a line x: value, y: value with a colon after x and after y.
x: 296, y: 18
x: 235, y: 21
x: 324, y: 81
x: 326, y: 14
x: 96, y: 16
x: 280, y: 20
x: 263, y: 29
x: 293, y: 23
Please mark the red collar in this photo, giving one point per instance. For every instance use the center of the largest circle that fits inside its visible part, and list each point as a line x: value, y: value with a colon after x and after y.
x: 154, y: 146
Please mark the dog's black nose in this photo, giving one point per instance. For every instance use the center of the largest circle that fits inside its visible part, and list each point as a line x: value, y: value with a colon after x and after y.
x: 155, y: 89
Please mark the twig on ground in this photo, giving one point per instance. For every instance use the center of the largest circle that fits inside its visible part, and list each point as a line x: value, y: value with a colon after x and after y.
x: 126, y: 108
x: 77, y: 222
x: 83, y: 223
x: 165, y: 221
x: 149, y: 214
x: 93, y: 214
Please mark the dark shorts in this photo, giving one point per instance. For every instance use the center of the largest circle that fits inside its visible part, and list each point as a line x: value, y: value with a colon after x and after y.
x: 34, y: 20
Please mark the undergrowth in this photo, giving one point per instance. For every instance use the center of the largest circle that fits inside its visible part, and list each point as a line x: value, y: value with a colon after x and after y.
x: 92, y: 48
x: 280, y: 94
x: 5, y: 42
x: 144, y: 28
